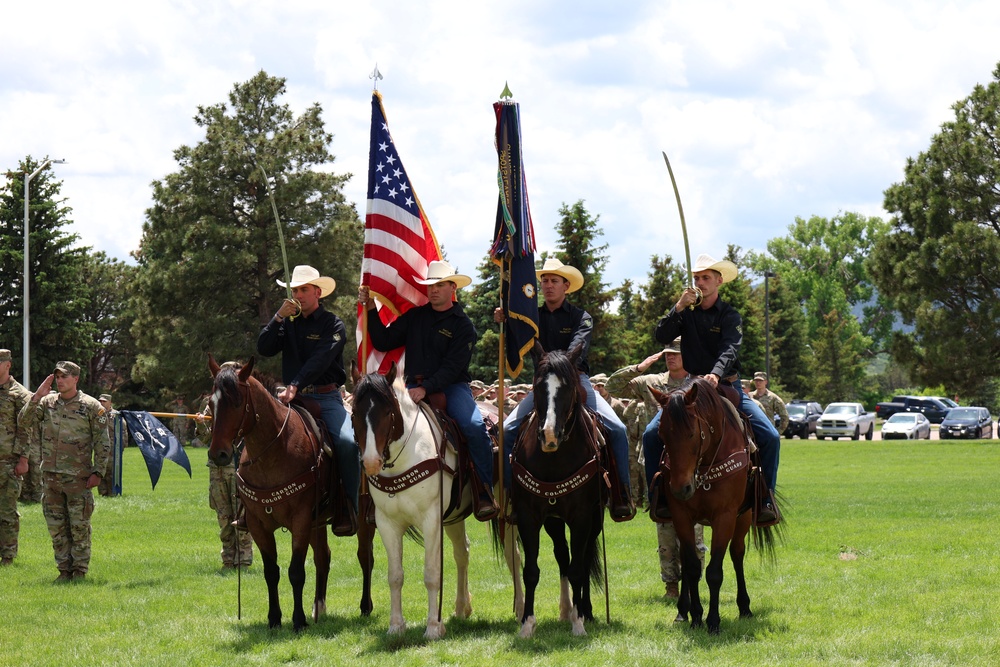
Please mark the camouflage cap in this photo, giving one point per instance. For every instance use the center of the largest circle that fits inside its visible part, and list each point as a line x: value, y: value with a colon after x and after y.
x: 5, y: 355
x: 760, y: 375
x: 68, y: 367
x: 478, y: 384
x: 521, y: 389
x: 674, y: 347
x: 600, y: 378
x: 105, y: 397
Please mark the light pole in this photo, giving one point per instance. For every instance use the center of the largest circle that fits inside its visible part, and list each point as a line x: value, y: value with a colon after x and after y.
x: 27, y: 272
x: 767, y: 324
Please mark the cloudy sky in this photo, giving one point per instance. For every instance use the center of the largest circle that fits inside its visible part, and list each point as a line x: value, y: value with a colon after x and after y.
x: 768, y: 111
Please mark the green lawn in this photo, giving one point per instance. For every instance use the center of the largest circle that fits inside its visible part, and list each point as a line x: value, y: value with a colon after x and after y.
x: 890, y: 559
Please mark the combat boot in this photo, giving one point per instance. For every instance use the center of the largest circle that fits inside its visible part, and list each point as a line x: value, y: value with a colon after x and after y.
x: 64, y: 577
x: 6, y: 560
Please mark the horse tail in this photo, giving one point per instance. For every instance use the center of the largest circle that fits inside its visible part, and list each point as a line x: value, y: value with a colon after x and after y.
x: 414, y: 534
x: 766, y: 538
x: 594, y: 567
x: 497, y: 538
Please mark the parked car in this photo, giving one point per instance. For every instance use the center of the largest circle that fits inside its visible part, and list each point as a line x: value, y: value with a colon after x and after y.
x: 932, y: 407
x: 967, y: 423
x: 906, y: 425
x: 845, y: 420
x: 802, y: 418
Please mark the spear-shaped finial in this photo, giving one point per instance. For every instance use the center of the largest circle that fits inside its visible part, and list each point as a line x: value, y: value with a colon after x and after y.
x: 376, y: 75
x: 506, y: 94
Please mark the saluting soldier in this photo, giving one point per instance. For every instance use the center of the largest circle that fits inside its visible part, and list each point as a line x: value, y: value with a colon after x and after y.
x: 75, y: 449
x: 13, y: 450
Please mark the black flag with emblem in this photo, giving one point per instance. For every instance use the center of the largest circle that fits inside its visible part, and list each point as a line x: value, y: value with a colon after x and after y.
x: 156, y: 442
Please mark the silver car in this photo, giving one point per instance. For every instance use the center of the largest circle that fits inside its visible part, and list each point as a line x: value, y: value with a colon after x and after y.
x: 906, y: 425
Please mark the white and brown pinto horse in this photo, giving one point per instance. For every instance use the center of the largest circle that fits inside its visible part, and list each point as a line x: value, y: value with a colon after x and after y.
x: 411, y: 473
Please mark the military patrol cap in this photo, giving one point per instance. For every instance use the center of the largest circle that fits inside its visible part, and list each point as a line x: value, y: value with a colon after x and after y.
x: 5, y: 355
x: 674, y: 347
x: 105, y: 397
x: 600, y: 378
x: 521, y: 389
x: 68, y: 367
x: 760, y: 375
x: 478, y: 384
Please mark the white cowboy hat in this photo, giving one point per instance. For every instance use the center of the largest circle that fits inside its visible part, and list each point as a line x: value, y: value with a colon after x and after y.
x: 706, y: 262
x: 307, y: 275
x: 572, y: 274
x: 440, y: 271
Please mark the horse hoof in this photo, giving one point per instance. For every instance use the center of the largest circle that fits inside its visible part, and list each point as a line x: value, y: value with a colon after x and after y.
x: 528, y: 628
x: 435, y: 631
x: 681, y: 618
x: 319, y: 608
x: 713, y: 630
x: 397, y: 628
x: 576, y: 622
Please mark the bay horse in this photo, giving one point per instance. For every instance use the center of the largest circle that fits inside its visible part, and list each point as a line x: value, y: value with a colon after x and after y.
x: 411, y: 479
x: 557, y: 483
x: 282, y: 476
x: 707, y: 466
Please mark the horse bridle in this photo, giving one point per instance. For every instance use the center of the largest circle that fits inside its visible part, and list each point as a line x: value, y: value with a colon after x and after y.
x: 699, y: 478
x: 250, y: 408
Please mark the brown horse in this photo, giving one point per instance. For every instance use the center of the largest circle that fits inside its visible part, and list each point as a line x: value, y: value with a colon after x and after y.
x: 557, y: 477
x: 707, y: 466
x: 282, y: 478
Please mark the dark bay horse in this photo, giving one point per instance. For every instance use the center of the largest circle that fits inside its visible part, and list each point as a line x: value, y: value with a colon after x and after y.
x: 707, y: 467
x: 557, y: 479
x: 412, y: 480
x: 281, y: 478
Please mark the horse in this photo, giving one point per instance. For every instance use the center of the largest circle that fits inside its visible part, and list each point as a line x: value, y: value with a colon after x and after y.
x: 282, y: 476
x: 709, y: 470
x: 412, y: 476
x: 557, y: 483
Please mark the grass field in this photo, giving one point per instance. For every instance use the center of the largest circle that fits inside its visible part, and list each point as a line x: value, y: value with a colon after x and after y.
x: 891, y: 558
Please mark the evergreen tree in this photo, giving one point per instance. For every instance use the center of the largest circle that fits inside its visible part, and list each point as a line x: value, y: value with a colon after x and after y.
x: 659, y: 294
x: 791, y: 354
x: 578, y: 232
x: 483, y: 298
x: 59, y: 295
x: 738, y: 294
x: 210, y: 252
x: 109, y: 281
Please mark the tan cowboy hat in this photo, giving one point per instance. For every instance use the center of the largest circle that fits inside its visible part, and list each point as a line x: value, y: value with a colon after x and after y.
x: 706, y: 262
x: 440, y: 271
x: 307, y: 275
x: 570, y: 273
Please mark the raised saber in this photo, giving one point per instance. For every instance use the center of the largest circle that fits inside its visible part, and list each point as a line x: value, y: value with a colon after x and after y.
x: 680, y: 209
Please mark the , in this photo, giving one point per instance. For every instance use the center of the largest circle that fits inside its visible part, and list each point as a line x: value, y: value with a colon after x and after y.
x: 908, y: 426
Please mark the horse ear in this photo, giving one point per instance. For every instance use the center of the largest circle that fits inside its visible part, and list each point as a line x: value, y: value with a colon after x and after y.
x: 575, y: 353
x: 213, y: 365
x: 691, y: 395
x: 660, y: 396
x: 247, y: 370
x: 537, y: 352
x: 355, y: 374
x: 390, y: 376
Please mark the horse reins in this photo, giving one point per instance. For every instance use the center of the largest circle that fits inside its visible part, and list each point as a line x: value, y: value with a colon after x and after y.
x: 249, y: 407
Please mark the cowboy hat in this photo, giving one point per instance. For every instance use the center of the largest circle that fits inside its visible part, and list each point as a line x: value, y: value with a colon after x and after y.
x: 440, y: 271
x: 307, y: 275
x: 571, y: 274
x: 706, y: 262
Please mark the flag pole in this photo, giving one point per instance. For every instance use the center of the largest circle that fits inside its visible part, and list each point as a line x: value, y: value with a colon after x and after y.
x: 501, y: 394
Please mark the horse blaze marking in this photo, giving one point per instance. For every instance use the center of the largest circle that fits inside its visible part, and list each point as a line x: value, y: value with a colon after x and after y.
x: 549, y: 426
x: 371, y: 449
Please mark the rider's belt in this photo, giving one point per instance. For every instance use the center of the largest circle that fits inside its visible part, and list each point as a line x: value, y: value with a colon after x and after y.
x: 319, y: 388
x: 731, y: 378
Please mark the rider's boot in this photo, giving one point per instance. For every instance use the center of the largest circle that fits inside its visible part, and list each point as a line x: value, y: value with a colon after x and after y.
x: 240, y: 523
x: 483, y: 503
x: 620, y: 501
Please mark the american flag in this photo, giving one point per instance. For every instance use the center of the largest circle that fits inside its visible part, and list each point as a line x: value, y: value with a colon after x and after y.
x: 399, y: 241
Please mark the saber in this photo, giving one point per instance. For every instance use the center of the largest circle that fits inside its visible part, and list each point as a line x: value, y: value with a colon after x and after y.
x: 680, y: 209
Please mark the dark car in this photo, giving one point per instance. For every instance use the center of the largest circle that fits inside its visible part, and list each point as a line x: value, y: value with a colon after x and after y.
x: 967, y: 423
x: 931, y: 407
x: 802, y: 418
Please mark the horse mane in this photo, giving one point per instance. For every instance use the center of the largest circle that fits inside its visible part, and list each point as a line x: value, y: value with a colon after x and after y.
x: 375, y: 384
x: 703, y: 396
x: 558, y: 363
x: 227, y: 382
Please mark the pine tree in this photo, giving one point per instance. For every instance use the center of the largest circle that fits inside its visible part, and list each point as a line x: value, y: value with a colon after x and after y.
x: 59, y: 296
x: 210, y: 252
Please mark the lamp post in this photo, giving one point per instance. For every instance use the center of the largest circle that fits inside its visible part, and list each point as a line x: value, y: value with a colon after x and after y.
x: 27, y: 272
x: 767, y: 324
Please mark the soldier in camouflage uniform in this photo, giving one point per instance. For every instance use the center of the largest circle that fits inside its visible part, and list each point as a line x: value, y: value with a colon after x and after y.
x: 237, y: 545
x: 769, y: 401
x: 633, y: 382
x: 31, y: 481
x: 106, y: 487
x: 635, y: 418
x: 75, y: 450
x: 13, y: 457
x: 179, y: 425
